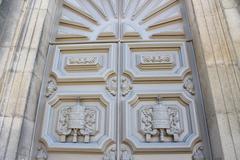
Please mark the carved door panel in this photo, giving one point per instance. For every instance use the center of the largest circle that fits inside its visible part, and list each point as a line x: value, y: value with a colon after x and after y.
x: 79, y: 120
x: 159, y: 107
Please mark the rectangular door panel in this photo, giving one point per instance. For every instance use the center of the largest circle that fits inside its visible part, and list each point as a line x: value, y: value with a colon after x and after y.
x: 155, y: 61
x: 88, y: 62
x: 78, y: 111
x: 159, y: 112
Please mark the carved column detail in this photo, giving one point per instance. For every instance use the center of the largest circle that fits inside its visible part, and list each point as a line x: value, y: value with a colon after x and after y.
x: 126, y: 85
x: 51, y: 88
x: 188, y: 85
x: 160, y: 120
x: 76, y: 121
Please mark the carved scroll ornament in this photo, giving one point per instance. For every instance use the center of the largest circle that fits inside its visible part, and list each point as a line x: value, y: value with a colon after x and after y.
x: 160, y: 120
x: 76, y: 121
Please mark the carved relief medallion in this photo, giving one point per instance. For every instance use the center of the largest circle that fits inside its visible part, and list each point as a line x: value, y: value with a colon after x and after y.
x: 110, y: 154
x: 112, y: 85
x: 126, y: 85
x: 76, y: 121
x: 125, y: 153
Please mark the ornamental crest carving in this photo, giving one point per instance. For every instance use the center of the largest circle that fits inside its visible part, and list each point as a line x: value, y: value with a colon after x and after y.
x: 112, y: 85
x: 51, y: 88
x: 125, y: 153
x: 125, y: 86
x: 198, y: 153
x: 188, y: 85
x: 161, y: 120
x: 41, y: 153
x: 76, y: 121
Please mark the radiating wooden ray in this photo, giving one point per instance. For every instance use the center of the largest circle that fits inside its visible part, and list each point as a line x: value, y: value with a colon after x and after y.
x: 113, y: 7
x: 158, y: 10
x: 80, y: 12
x: 167, y: 21
x: 126, y: 4
x: 80, y: 26
x: 141, y: 5
x: 84, y: 20
x: 98, y: 7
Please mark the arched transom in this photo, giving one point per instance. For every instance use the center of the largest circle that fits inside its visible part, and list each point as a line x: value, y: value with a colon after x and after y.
x: 91, y: 20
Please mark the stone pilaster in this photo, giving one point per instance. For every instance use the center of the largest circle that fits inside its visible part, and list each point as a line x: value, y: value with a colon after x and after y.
x: 24, y: 42
x: 219, y: 76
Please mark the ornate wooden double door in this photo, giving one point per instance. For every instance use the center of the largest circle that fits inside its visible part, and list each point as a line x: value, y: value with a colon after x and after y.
x: 121, y: 84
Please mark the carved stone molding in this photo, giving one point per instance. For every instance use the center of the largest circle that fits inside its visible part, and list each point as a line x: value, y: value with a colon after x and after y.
x: 160, y: 120
x: 126, y: 85
x: 51, y: 87
x: 188, y: 85
x: 76, y: 121
x: 41, y: 153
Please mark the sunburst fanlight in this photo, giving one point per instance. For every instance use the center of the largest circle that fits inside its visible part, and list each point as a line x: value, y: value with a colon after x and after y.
x: 91, y: 20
